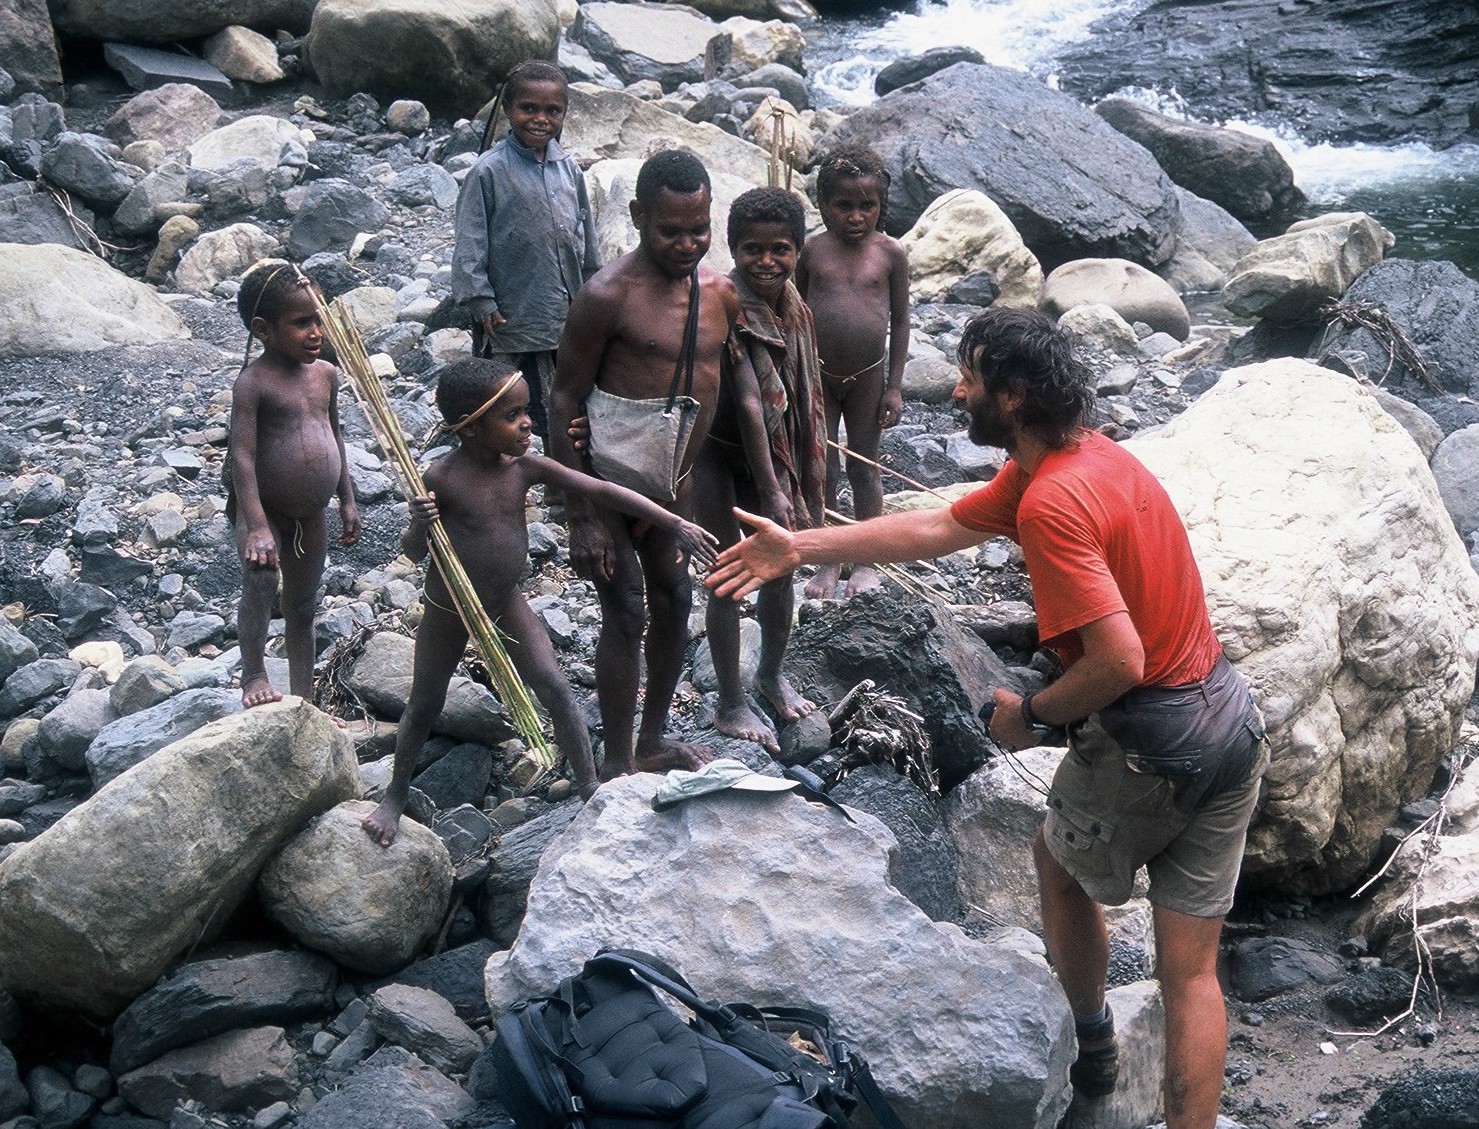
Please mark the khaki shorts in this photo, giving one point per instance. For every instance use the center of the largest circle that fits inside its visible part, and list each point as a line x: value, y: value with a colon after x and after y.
x: 1105, y: 821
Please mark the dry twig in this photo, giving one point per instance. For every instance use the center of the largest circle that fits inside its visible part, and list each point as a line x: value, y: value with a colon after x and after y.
x: 1391, y: 336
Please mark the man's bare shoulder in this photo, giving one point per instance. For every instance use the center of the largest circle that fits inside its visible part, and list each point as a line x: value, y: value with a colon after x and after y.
x: 723, y: 287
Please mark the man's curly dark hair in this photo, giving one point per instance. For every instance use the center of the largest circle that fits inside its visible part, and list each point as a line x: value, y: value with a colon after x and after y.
x: 1023, y: 351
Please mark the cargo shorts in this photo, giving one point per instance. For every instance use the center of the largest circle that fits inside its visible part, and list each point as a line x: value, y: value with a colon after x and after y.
x: 1106, y: 820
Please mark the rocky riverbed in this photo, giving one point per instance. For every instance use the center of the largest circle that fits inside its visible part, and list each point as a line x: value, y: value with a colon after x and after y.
x: 113, y: 547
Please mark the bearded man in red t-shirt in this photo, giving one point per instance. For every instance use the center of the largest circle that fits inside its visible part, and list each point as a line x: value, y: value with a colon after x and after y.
x: 1166, y: 748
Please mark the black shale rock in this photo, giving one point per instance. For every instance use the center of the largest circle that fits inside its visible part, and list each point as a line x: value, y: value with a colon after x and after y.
x: 208, y: 997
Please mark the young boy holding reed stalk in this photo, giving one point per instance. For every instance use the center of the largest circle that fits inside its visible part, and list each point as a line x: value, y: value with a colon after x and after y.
x: 478, y: 492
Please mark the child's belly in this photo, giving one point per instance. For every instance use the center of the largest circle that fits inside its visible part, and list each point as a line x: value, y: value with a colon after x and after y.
x: 298, y: 471
x: 851, y: 334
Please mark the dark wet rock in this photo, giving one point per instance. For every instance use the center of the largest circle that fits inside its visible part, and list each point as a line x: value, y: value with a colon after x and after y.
x: 1071, y: 185
x: 16, y: 650
x: 942, y: 671
x: 35, y: 682
x: 456, y: 975
x: 110, y: 568
x: 333, y: 213
x: 54, y: 1103
x: 1265, y: 967
x: 129, y: 740
x: 393, y: 1089
x: 1435, y: 304
x: 924, y: 867
x: 459, y: 777
x: 1360, y: 70
x: 86, y: 164
x: 217, y: 994
x: 1428, y: 1099
x: 13, y: 1096
x: 81, y: 607
x: 514, y: 860
x: 465, y: 830
x: 1372, y: 996
x: 913, y: 68
x: 1246, y: 175
x: 34, y: 217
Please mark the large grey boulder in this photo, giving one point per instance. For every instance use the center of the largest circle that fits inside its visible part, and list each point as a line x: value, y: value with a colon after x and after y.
x: 16, y: 650
x: 222, y: 254
x: 974, y: 1035
x: 87, y: 165
x: 333, y: 212
x: 235, y: 1072
x: 1245, y: 174
x: 1339, y: 588
x: 367, y: 906
x: 993, y: 817
x: 425, y: 1024
x: 258, y: 137
x: 217, y: 994
x: 35, y: 217
x: 392, y: 1089
x: 59, y: 300
x: 1071, y: 185
x: 961, y: 233
x: 1209, y: 246
x: 1125, y: 287
x: 451, y: 56
x: 122, y: 744
x: 614, y: 124
x: 1455, y: 465
x: 1442, y: 888
x: 1288, y: 278
x: 176, y: 115
x: 156, y: 861
x: 67, y: 731
x: 662, y: 42
x: 146, y: 21
x: 30, y: 48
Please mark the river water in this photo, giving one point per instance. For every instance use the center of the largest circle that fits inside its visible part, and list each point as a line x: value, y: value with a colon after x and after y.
x: 1429, y: 199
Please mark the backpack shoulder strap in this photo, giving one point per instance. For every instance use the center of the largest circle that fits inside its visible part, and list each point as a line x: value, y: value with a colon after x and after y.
x: 654, y: 971
x: 862, y: 1081
x: 538, y: 1061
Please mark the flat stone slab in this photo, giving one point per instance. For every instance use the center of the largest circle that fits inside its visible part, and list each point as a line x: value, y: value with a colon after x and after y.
x: 144, y: 68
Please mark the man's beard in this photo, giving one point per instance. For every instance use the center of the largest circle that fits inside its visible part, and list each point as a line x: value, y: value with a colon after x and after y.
x: 989, y: 429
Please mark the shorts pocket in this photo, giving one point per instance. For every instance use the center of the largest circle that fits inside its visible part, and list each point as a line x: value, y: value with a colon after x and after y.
x: 1078, y: 839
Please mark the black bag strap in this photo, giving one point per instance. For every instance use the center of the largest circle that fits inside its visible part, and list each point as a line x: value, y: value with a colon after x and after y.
x: 658, y: 973
x: 683, y: 370
x: 538, y: 1059
x: 862, y: 1081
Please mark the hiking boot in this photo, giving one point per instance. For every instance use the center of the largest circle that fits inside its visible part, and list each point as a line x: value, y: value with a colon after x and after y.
x: 1097, y: 1068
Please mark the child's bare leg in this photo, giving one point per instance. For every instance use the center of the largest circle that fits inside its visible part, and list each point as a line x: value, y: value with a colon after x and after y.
x: 535, y: 660
x: 440, y: 641
x: 258, y: 594
x: 734, y: 718
x: 823, y: 584
x: 302, y: 546
x: 860, y: 411
x: 669, y: 600
x: 776, y: 602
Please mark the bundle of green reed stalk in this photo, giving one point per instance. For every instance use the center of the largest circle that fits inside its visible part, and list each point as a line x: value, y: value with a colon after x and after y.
x: 355, y: 364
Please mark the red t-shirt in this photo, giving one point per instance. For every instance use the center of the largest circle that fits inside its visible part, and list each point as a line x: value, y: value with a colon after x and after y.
x: 1100, y: 536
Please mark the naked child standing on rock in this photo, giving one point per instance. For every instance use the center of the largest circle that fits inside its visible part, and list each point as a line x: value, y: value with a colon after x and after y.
x: 625, y: 335
x: 286, y: 462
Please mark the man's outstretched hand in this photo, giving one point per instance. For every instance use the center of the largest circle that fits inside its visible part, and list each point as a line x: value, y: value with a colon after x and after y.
x: 766, y: 554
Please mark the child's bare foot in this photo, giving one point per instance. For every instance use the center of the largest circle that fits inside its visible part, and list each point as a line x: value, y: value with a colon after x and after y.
x: 258, y: 691
x: 823, y: 586
x: 783, y: 698
x: 744, y: 723
x: 674, y: 754
x: 384, y: 822
x: 862, y: 578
